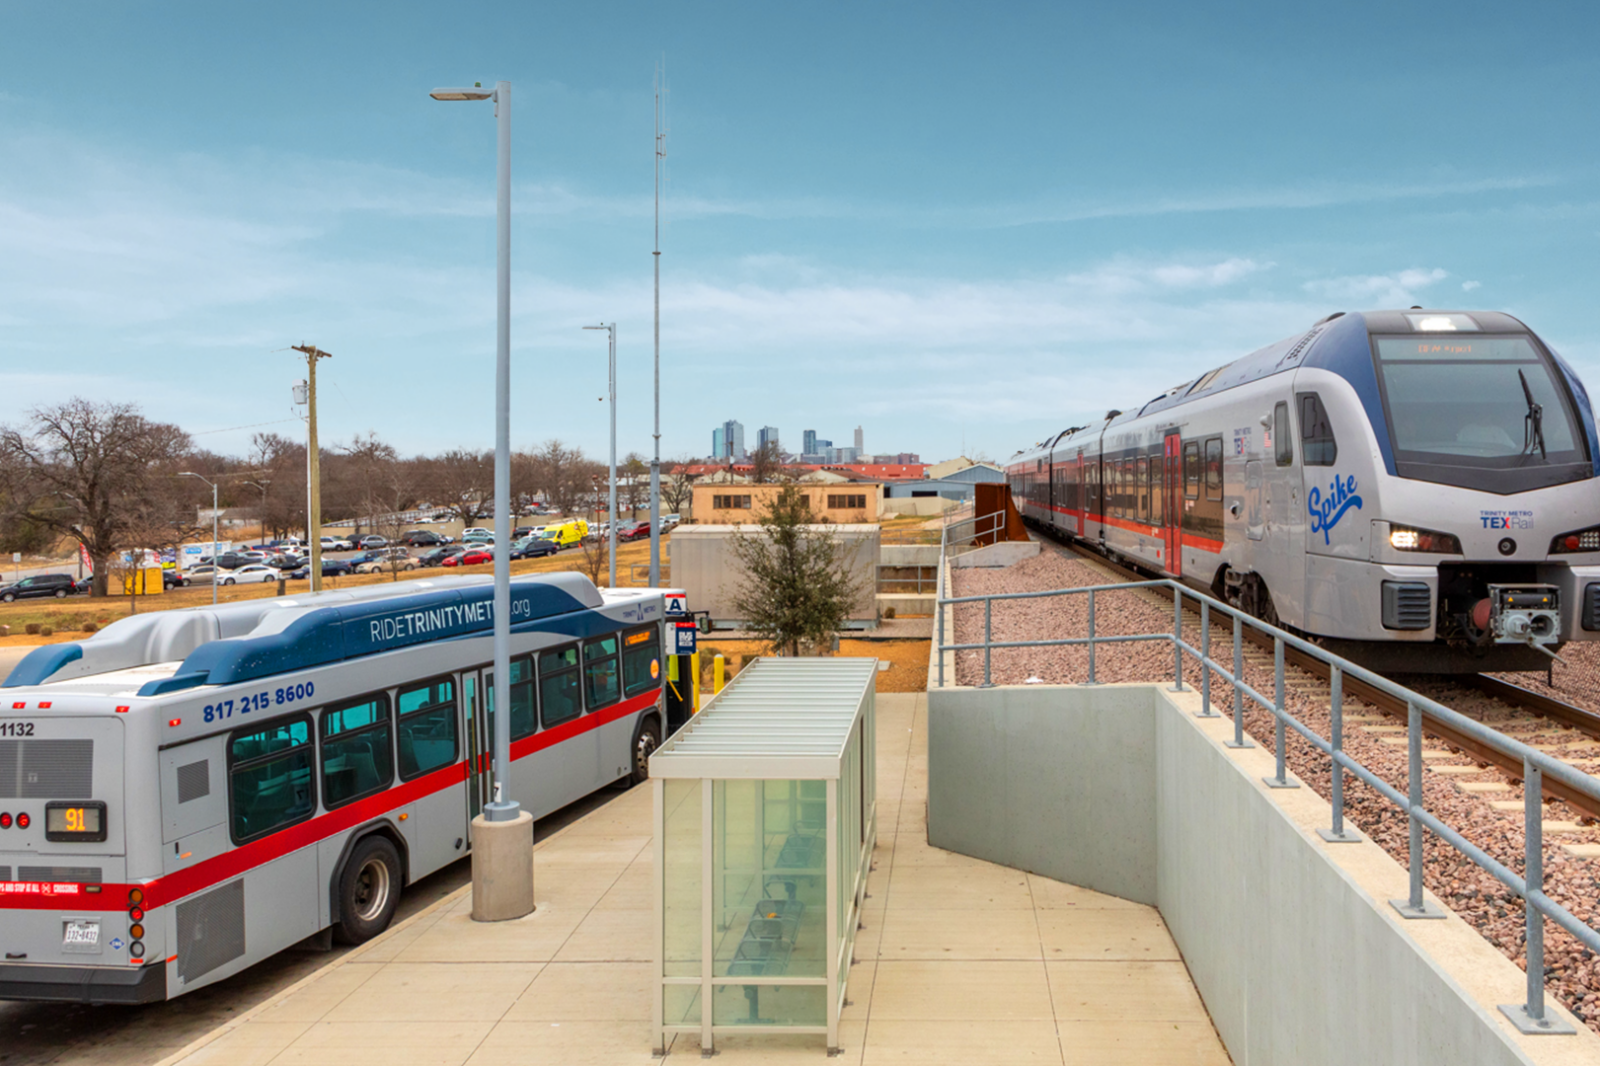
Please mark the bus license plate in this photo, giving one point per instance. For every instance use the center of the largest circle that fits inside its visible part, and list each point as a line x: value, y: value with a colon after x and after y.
x: 81, y: 934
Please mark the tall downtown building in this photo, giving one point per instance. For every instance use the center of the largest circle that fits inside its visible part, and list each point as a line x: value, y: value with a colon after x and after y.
x: 727, y: 441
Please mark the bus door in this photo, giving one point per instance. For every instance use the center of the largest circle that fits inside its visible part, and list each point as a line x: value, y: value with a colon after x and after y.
x: 480, y: 739
x: 1173, y: 501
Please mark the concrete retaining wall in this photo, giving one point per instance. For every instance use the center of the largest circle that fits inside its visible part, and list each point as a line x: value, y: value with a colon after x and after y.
x: 1290, y: 941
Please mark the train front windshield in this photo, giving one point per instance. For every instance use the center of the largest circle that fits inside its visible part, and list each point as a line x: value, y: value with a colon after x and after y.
x: 1476, y: 402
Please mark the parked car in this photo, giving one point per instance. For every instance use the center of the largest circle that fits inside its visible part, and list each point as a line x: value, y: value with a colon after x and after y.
x: 423, y: 538
x: 287, y: 561
x: 173, y: 579
x: 437, y: 556
x: 670, y: 522
x: 372, y: 540
x: 533, y: 548
x: 57, y: 585
x: 567, y: 534
x: 523, y: 531
x: 336, y: 567
x: 384, y: 558
x: 633, y: 530
x: 82, y: 586
x: 203, y: 574
x: 470, y: 557
x: 471, y: 530
x: 337, y: 544
x: 250, y: 574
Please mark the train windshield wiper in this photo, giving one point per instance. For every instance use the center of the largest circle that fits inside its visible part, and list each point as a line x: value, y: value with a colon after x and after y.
x: 1532, y: 422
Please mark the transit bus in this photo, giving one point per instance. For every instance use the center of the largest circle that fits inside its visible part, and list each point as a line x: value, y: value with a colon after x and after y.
x: 188, y: 792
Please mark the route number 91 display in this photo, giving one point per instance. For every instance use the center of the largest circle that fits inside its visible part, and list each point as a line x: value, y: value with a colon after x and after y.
x: 80, y: 821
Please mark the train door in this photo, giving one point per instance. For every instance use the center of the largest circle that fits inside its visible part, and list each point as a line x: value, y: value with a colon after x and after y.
x: 480, y: 741
x: 1081, y: 499
x: 1172, y: 501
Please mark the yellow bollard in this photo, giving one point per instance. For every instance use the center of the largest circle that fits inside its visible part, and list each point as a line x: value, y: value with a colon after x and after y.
x: 719, y: 673
x: 694, y: 683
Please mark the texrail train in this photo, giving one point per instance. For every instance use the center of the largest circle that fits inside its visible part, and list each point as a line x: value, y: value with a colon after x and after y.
x: 1415, y: 489
x: 187, y: 792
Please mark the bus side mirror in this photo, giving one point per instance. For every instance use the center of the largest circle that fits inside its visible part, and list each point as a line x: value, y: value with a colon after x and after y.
x: 703, y: 623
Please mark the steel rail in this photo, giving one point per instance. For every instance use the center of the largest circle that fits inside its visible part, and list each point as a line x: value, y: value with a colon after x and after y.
x: 1509, y: 764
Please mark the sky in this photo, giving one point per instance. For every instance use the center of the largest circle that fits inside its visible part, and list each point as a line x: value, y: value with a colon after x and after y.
x: 959, y: 226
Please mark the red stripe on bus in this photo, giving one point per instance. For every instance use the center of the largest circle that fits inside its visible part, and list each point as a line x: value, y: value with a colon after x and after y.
x: 230, y: 864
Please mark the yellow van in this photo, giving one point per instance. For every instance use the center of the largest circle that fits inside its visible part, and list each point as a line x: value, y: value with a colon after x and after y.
x: 566, y: 534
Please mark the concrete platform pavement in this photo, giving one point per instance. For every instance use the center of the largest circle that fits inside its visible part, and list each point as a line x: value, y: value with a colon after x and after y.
x: 960, y: 961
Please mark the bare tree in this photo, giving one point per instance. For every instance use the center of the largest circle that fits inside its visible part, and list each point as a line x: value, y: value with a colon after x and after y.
x: 86, y: 470
x: 461, y: 482
x: 766, y: 464
x: 677, y: 486
x: 633, y: 476
x: 282, y: 466
x: 596, y: 555
x: 563, y: 474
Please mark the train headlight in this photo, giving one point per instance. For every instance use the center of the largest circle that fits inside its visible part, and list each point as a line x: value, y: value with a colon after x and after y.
x: 1579, y: 540
x: 1411, y: 539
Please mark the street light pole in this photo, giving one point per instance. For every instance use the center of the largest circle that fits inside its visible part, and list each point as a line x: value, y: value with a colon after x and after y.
x: 611, y: 526
x: 214, y: 567
x: 313, y: 463
x: 502, y: 808
x: 655, y: 461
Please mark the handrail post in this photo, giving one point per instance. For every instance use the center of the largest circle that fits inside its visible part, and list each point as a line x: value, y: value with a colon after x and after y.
x: 1238, y: 740
x: 988, y: 640
x: 1530, y: 1017
x: 1280, y: 779
x: 1415, y: 906
x: 1177, y: 639
x: 1091, y: 680
x: 1205, y: 662
x: 1338, y: 834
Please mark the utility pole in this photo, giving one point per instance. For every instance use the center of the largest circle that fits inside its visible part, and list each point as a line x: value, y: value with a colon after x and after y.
x: 313, y: 464
x: 655, y: 460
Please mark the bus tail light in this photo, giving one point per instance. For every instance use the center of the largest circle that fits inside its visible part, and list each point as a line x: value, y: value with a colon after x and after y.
x: 135, y: 897
x: 23, y: 821
x: 136, y: 949
x: 136, y: 931
x: 5, y: 820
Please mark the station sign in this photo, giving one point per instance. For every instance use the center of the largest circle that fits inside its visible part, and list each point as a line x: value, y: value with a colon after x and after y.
x: 684, y: 641
x: 677, y: 601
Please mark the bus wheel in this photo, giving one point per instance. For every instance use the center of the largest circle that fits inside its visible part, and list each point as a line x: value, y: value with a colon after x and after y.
x: 369, y: 891
x: 644, y: 745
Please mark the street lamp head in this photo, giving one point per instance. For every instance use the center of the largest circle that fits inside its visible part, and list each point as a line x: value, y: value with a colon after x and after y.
x: 477, y: 92
x: 596, y: 327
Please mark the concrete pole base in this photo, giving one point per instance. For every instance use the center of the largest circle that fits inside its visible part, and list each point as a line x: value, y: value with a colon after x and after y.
x: 502, y: 868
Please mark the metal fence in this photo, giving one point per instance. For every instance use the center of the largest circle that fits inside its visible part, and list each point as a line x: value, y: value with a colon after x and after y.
x: 1529, y: 1017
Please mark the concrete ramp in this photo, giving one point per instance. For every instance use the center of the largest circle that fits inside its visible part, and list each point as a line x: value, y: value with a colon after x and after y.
x: 1291, y: 941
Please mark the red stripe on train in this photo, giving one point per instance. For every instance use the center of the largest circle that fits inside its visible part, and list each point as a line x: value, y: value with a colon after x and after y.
x: 202, y: 875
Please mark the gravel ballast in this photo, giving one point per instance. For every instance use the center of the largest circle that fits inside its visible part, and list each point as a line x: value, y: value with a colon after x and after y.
x: 1572, y: 974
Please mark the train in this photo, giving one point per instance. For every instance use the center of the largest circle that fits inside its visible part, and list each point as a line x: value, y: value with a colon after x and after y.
x: 1413, y: 489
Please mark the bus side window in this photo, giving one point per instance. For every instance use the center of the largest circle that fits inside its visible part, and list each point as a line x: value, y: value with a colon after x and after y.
x: 524, y: 720
x: 269, y: 778
x: 427, y: 729
x: 559, y: 697
x: 600, y: 681
x: 641, y: 660
x: 357, y: 757
x: 1317, y: 446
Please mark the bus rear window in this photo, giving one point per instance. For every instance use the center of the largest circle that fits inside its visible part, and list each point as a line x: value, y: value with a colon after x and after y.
x: 269, y: 778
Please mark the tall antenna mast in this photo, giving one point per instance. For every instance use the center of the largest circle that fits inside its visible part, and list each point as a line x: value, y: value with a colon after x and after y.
x: 655, y: 462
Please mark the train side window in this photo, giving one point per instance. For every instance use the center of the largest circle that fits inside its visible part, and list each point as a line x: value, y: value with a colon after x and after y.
x: 270, y: 782
x: 1282, y: 446
x: 357, y: 749
x: 1158, y: 487
x: 426, y: 733
x: 1317, y: 446
x: 560, y: 695
x: 1144, y: 488
x: 641, y: 660
x: 1214, y: 468
x: 600, y: 679
x: 1191, y: 470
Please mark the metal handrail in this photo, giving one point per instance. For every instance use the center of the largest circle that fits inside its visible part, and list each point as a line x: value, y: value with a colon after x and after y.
x: 1529, y: 1017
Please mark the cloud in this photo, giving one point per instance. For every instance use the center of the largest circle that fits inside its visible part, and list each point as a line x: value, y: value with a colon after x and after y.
x: 1377, y: 290
x: 1468, y: 286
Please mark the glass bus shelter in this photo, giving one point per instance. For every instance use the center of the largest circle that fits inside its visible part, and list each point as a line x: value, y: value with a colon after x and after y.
x: 765, y: 818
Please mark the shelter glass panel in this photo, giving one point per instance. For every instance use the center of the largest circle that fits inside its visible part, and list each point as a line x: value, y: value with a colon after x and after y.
x: 681, y: 904
x: 771, y: 863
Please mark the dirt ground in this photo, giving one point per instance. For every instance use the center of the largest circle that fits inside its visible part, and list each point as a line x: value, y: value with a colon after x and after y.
x: 908, y: 659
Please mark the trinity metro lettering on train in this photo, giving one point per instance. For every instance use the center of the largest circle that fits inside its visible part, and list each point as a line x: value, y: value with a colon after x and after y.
x: 1414, y: 489
x: 188, y: 792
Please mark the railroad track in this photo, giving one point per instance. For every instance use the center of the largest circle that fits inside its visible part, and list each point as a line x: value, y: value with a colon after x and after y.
x: 1306, y: 674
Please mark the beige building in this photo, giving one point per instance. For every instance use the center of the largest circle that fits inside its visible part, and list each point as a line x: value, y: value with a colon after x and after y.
x: 741, y: 504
